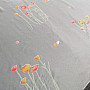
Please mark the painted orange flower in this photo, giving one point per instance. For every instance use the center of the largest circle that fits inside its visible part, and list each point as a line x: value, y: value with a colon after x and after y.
x: 81, y: 21
x: 17, y: 6
x: 87, y: 17
x: 14, y: 68
x: 23, y: 81
x: 30, y: 6
x: 26, y: 68
x: 37, y: 57
x: 81, y: 28
x: 55, y: 44
x: 34, y: 68
x: 16, y: 14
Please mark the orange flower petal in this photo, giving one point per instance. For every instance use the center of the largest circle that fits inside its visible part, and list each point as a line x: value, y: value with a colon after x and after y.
x: 87, y: 17
x: 55, y: 44
x: 81, y: 28
x: 17, y: 6
x: 30, y: 6
x: 26, y: 68
x: 37, y: 57
x: 16, y: 14
x: 81, y: 22
x: 23, y: 81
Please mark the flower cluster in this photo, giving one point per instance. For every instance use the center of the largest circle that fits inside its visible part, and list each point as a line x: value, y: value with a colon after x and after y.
x: 28, y: 15
x: 84, y: 24
x: 26, y: 69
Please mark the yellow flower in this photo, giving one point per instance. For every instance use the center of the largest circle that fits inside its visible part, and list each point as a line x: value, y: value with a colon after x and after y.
x: 30, y: 6
x: 37, y: 57
x: 87, y: 17
x: 16, y: 14
x: 81, y: 22
x: 23, y: 81
x: 26, y: 68
x: 81, y: 28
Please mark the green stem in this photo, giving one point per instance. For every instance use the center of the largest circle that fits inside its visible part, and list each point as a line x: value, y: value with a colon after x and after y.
x: 29, y: 86
x: 55, y: 84
x: 19, y: 74
x: 36, y: 10
x: 26, y: 87
x: 43, y: 13
x: 86, y: 29
x: 41, y: 10
x: 41, y: 81
x: 26, y: 21
x: 33, y: 81
x: 37, y: 20
x: 27, y: 16
x: 33, y: 88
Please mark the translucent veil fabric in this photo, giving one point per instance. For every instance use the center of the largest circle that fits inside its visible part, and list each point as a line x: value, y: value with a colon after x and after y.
x: 19, y: 44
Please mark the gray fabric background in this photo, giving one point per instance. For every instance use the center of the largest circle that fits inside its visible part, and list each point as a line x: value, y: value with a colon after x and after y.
x: 70, y: 62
